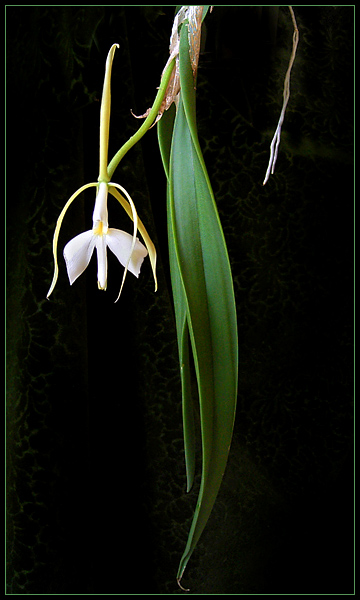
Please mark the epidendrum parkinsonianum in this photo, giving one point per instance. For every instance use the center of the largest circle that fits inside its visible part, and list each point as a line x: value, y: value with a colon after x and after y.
x: 128, y: 249
x: 206, y: 322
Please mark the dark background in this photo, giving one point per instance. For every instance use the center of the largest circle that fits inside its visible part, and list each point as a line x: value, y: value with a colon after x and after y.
x: 95, y: 468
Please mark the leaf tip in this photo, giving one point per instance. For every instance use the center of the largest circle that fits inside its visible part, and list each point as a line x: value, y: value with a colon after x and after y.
x: 180, y: 586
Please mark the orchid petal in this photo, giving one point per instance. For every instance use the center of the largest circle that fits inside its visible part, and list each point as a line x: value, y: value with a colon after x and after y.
x: 135, y: 221
x: 57, y: 231
x: 148, y: 242
x: 77, y: 254
x: 120, y: 243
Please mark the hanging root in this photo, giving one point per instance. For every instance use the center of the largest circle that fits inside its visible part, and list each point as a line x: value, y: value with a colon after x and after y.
x: 286, y: 95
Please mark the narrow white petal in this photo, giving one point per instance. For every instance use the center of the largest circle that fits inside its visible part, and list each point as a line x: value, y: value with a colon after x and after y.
x: 101, y: 261
x: 77, y: 254
x: 57, y: 231
x: 120, y: 244
x: 148, y: 242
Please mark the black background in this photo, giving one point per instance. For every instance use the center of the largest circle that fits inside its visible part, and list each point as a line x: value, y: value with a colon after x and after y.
x: 95, y: 469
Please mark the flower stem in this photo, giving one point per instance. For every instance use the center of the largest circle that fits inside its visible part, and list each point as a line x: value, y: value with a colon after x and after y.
x: 146, y: 124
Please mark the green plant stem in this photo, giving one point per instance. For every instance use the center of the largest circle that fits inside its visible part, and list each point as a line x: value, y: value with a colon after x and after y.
x: 113, y: 164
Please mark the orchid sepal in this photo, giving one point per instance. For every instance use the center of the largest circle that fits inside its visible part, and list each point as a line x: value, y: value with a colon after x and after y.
x: 105, y: 116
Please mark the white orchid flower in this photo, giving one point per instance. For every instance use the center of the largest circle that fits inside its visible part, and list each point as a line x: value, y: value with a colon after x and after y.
x: 79, y: 250
x: 127, y: 248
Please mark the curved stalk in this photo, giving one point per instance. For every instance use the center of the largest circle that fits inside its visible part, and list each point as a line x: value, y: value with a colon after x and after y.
x: 149, y: 121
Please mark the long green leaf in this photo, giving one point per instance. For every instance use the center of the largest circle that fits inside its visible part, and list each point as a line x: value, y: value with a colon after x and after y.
x: 203, y: 299
x: 165, y: 131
